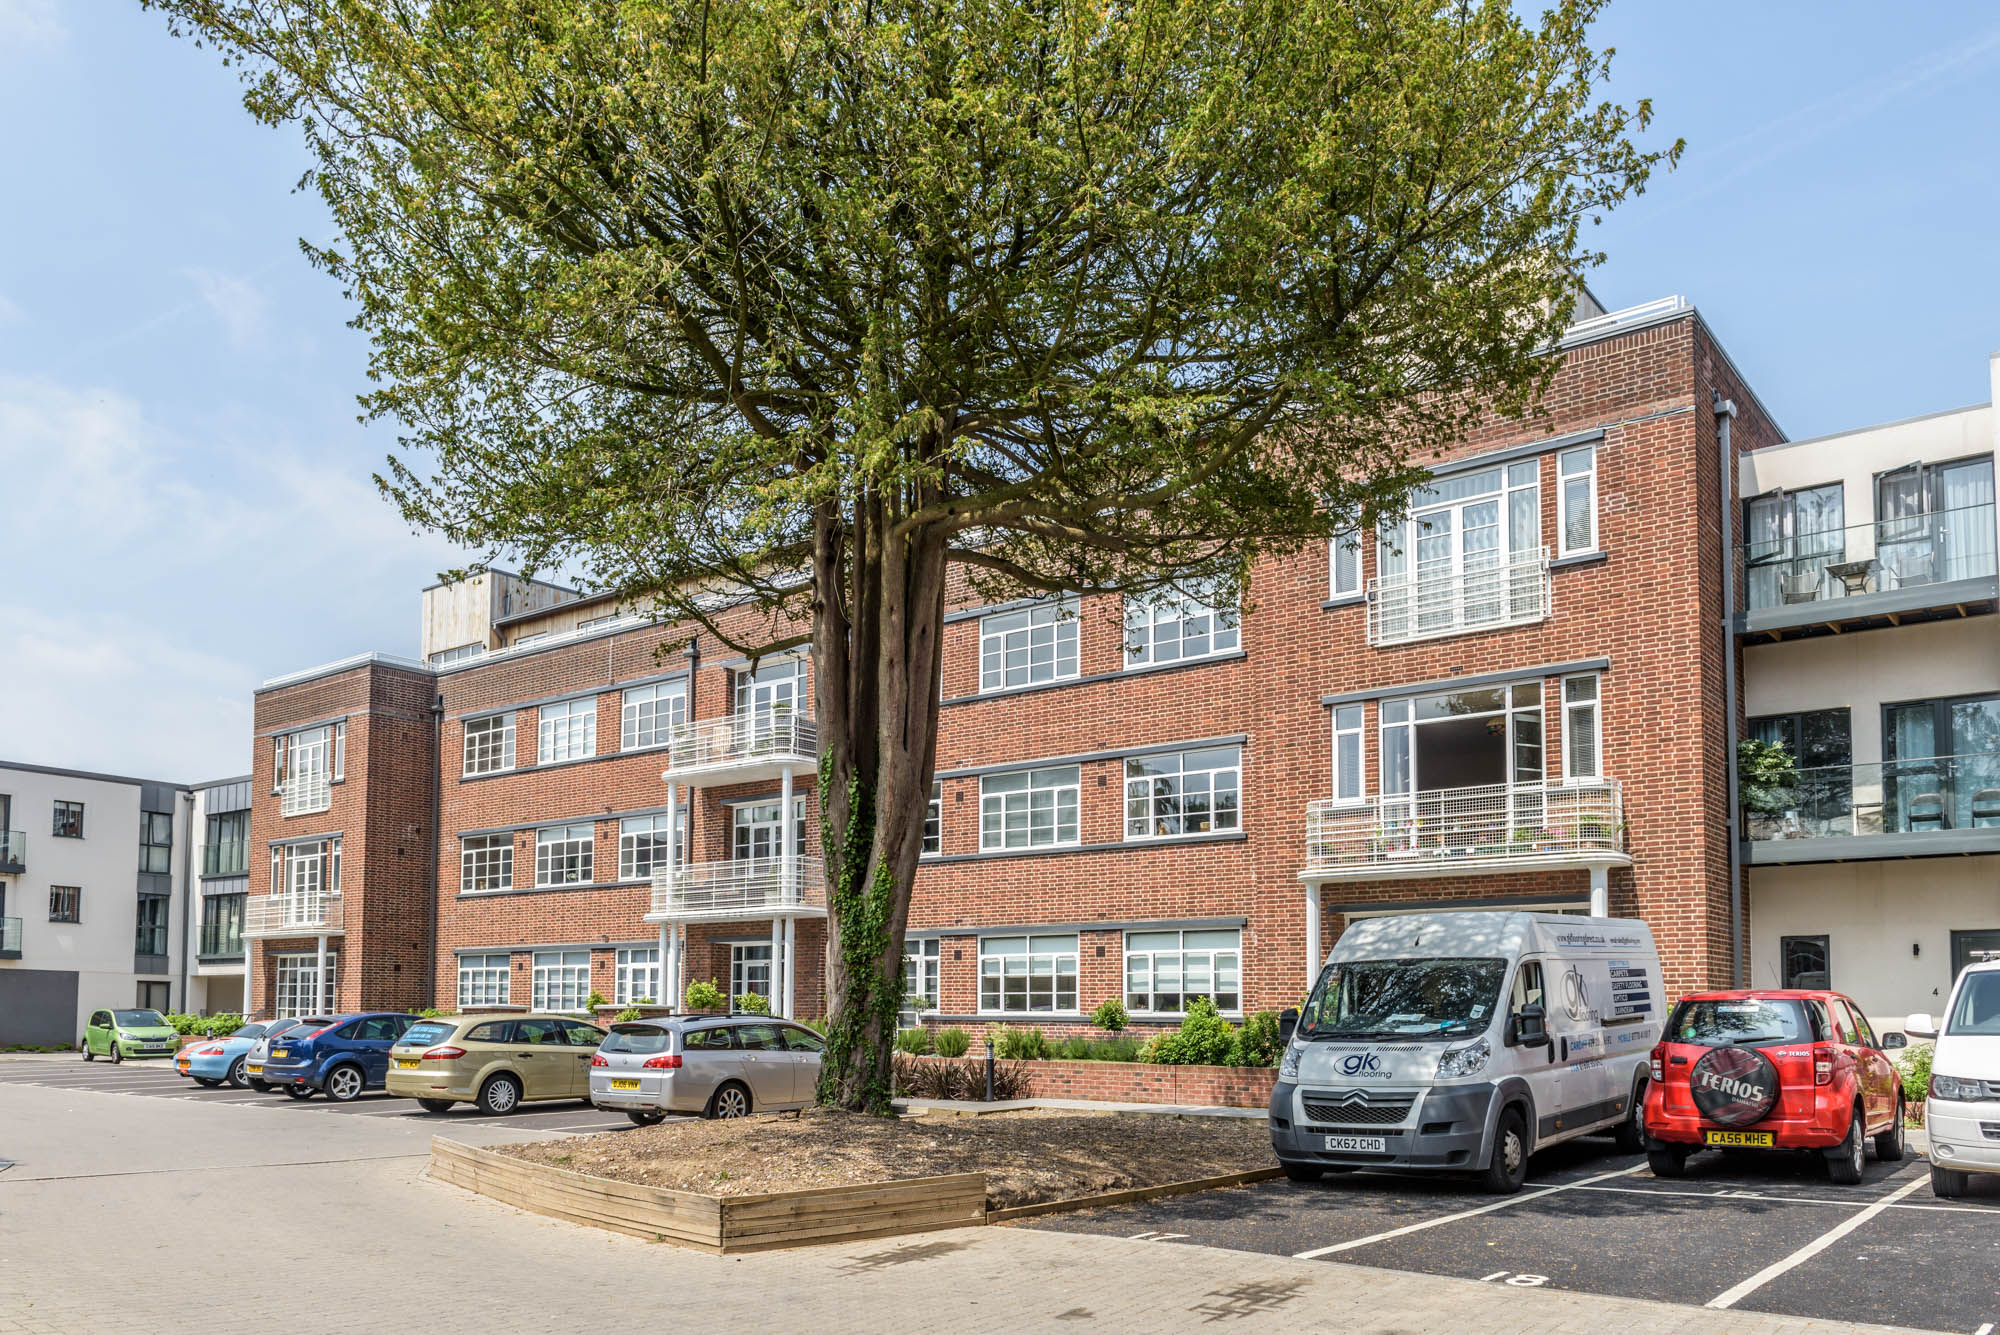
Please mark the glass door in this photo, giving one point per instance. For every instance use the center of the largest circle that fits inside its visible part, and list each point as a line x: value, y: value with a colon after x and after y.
x: 1943, y: 767
x: 769, y: 692
x: 1821, y: 745
x: 760, y: 831
x: 1934, y: 522
x: 1791, y: 537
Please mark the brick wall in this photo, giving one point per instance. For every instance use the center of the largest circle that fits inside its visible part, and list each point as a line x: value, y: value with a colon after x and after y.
x: 1140, y: 1082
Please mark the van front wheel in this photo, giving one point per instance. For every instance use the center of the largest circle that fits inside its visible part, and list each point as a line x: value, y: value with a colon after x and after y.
x: 1301, y: 1172
x: 1508, y: 1168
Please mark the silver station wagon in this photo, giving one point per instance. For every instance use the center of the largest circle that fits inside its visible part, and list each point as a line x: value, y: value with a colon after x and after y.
x: 717, y: 1067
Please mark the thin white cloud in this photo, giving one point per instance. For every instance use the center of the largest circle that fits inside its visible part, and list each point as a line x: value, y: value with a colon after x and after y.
x: 235, y: 301
x: 25, y: 22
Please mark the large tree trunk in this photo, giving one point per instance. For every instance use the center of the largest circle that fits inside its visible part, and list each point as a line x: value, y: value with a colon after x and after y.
x: 878, y: 614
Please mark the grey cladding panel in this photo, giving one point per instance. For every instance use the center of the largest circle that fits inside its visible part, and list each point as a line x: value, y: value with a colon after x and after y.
x: 38, y: 1006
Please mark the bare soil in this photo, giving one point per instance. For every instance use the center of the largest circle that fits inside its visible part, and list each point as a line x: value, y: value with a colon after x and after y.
x: 1028, y: 1157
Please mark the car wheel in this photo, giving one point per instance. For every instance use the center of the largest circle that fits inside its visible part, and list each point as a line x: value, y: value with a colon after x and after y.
x: 300, y: 1092
x: 1947, y: 1183
x: 117, y: 1053
x: 1300, y: 1172
x: 1668, y: 1161
x: 345, y: 1083
x: 646, y: 1118
x: 732, y: 1100
x: 205, y: 1082
x: 1509, y: 1168
x: 1845, y: 1161
x: 84, y: 1048
x: 500, y: 1095
x: 1889, y: 1145
x: 261, y: 1086
x: 1630, y: 1137
x: 235, y: 1076
x: 435, y: 1105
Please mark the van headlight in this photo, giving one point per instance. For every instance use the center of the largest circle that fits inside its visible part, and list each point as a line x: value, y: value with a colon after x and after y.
x: 1468, y: 1060
x: 1951, y: 1087
x: 1288, y: 1066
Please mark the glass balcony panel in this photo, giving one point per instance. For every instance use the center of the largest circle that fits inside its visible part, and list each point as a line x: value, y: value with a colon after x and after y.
x: 1930, y: 795
x: 1880, y: 556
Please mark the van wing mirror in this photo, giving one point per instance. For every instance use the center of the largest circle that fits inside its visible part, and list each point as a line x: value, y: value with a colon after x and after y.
x: 1288, y: 1024
x: 1922, y: 1024
x: 1530, y: 1026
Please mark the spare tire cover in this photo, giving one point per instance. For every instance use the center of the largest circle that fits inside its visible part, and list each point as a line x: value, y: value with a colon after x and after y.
x: 1734, y: 1086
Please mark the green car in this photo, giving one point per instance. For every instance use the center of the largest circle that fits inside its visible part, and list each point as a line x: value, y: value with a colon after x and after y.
x: 122, y: 1034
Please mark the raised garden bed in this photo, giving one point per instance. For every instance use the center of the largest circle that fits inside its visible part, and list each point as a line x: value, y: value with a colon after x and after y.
x: 1132, y: 1082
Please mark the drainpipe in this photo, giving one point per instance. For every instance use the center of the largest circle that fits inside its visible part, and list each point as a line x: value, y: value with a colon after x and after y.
x: 193, y: 900
x: 436, y: 842
x: 1725, y: 412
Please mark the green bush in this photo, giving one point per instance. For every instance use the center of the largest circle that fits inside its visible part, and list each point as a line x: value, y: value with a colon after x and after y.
x: 952, y: 1042
x: 1110, y: 1015
x: 593, y: 1001
x: 434, y: 1013
x: 706, y: 996
x: 1082, y: 1049
x: 1915, y: 1065
x: 916, y: 1042
x: 1204, y: 1039
x: 963, y: 1080
x: 1022, y: 1044
x: 629, y: 1013
x: 752, y: 1004
x: 1258, y: 1039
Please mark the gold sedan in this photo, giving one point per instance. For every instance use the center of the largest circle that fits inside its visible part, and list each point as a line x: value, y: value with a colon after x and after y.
x: 495, y: 1062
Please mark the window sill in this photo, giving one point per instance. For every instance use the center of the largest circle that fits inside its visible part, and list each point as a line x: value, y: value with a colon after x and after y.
x: 1200, y: 836
x: 1580, y: 559
x: 1345, y: 600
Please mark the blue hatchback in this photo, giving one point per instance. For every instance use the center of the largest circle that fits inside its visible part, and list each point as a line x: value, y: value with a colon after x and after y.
x: 342, y: 1059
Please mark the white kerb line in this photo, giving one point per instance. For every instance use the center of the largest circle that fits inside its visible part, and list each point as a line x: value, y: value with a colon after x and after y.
x: 1730, y: 1297
x: 1373, y: 1238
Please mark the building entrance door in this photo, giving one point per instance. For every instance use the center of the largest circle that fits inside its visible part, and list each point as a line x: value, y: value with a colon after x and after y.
x: 1973, y: 948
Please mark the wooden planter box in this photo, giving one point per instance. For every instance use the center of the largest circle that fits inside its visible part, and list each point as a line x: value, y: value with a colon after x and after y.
x: 721, y: 1224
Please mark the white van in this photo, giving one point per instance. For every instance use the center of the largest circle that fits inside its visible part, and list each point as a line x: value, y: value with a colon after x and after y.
x: 1464, y: 1042
x: 1962, y: 1112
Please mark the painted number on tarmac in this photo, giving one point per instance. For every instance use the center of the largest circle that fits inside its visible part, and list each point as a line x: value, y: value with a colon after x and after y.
x: 1518, y: 1279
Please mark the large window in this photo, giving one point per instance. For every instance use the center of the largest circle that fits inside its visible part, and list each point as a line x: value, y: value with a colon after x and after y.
x: 65, y: 903
x: 296, y: 994
x: 934, y: 820
x: 920, y: 973
x: 1581, y: 751
x: 1576, y: 472
x: 1447, y: 567
x: 568, y: 731
x: 758, y: 830
x: 489, y: 744
x: 1030, y: 808
x: 775, y: 690
x: 1035, y: 644
x: 561, y: 980
x: 650, y: 713
x: 638, y: 975
x: 563, y: 855
x: 642, y: 843
x: 1167, y: 628
x: 68, y: 822
x: 1802, y: 963
x: 750, y: 971
x: 304, y: 875
x: 1941, y: 766
x: 227, y: 850
x: 484, y: 980
x: 309, y: 757
x: 1027, y: 974
x: 1164, y: 969
x: 1821, y: 801
x: 1183, y: 792
x: 1934, y: 522
x: 222, y: 926
x: 1793, y: 536
x: 485, y: 862
x: 156, y: 841
x: 1462, y: 739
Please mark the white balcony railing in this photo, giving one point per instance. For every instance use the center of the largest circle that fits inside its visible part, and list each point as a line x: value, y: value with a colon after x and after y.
x: 1491, y: 826
x: 309, y: 792
x: 745, y: 888
x: 293, y: 915
x: 743, y: 741
x: 1421, y: 606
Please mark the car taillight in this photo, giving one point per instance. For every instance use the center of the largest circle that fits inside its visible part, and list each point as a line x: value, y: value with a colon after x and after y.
x: 209, y: 1052
x: 664, y: 1062
x: 1660, y: 1064
x: 597, y: 1059
x: 443, y: 1054
x: 1822, y: 1059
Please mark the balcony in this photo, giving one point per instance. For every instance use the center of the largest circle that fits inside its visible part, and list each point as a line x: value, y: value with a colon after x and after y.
x: 1918, y: 567
x: 1423, y: 606
x: 221, y: 940
x: 1892, y: 809
x: 229, y: 858
x: 742, y: 748
x: 309, y: 792
x: 13, y: 852
x: 1450, y: 831
x: 10, y: 938
x: 293, y: 915
x: 745, y: 888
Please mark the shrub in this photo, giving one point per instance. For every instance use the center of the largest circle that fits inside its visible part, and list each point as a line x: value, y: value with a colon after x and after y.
x: 629, y: 1013
x: 914, y: 1041
x: 707, y: 996
x: 1915, y: 1065
x: 1204, y: 1039
x: 1022, y: 1045
x: 952, y: 1042
x: 961, y: 1080
x: 433, y: 1013
x: 752, y: 1004
x: 1097, y: 1049
x: 1258, y: 1039
x: 1110, y: 1016
x: 183, y: 1024
x: 594, y: 1000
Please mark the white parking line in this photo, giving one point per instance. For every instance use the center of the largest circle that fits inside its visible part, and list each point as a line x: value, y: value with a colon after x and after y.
x: 1372, y: 1238
x: 1761, y: 1198
x: 1730, y: 1297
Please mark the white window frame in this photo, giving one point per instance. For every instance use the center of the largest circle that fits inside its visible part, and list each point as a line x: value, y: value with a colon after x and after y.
x: 1350, y: 731
x: 292, y: 990
x: 1046, y: 632
x: 922, y: 963
x: 1155, y: 795
x: 480, y: 754
x: 647, y: 715
x: 1588, y: 475
x: 523, y: 641
x: 1145, y: 949
x: 1000, y: 799
x: 592, y: 623
x: 1041, y: 956
x: 1593, y: 706
x: 1338, y: 581
x: 934, y: 821
x: 566, y: 730
x: 457, y: 653
x: 1145, y: 618
x: 485, y: 980
x: 649, y: 832
x: 568, y: 858
x: 636, y: 976
x: 744, y: 963
x: 559, y: 979
x: 487, y: 857
x: 748, y: 819
x: 774, y: 691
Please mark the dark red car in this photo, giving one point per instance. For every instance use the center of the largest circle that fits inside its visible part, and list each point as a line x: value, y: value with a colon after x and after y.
x: 1777, y: 1070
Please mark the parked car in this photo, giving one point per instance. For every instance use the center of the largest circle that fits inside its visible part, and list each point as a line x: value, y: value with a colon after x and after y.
x: 221, y: 1060
x: 719, y: 1067
x: 1772, y: 1070
x: 496, y: 1062
x: 1962, y: 1106
x: 260, y: 1050
x: 1465, y: 1042
x: 343, y: 1058
x: 119, y: 1034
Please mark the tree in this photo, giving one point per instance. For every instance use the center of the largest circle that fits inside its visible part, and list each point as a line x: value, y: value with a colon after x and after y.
x: 812, y: 305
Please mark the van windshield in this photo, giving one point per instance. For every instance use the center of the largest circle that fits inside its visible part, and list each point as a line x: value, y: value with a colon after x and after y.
x: 1379, y: 999
x: 1978, y: 1007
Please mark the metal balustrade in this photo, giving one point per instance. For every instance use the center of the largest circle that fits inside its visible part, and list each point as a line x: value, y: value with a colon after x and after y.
x: 741, y: 742
x: 293, y: 915
x: 1421, y: 605
x: 1929, y: 795
x: 13, y: 852
x: 1490, y: 824
x: 1881, y: 556
x: 743, y: 888
x: 309, y: 792
x: 231, y: 857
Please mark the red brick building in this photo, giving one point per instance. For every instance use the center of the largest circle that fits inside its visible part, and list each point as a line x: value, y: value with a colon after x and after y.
x: 1516, y: 698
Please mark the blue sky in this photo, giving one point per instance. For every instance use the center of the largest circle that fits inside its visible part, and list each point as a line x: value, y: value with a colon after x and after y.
x: 187, y: 506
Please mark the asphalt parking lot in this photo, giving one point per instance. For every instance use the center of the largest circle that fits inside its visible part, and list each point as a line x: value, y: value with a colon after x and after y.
x: 1757, y: 1232
x: 156, y: 1079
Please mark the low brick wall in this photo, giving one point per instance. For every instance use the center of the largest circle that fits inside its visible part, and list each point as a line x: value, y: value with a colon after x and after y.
x: 1143, y: 1082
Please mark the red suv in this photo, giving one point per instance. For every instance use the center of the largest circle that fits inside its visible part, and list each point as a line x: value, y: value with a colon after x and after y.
x: 1773, y: 1071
